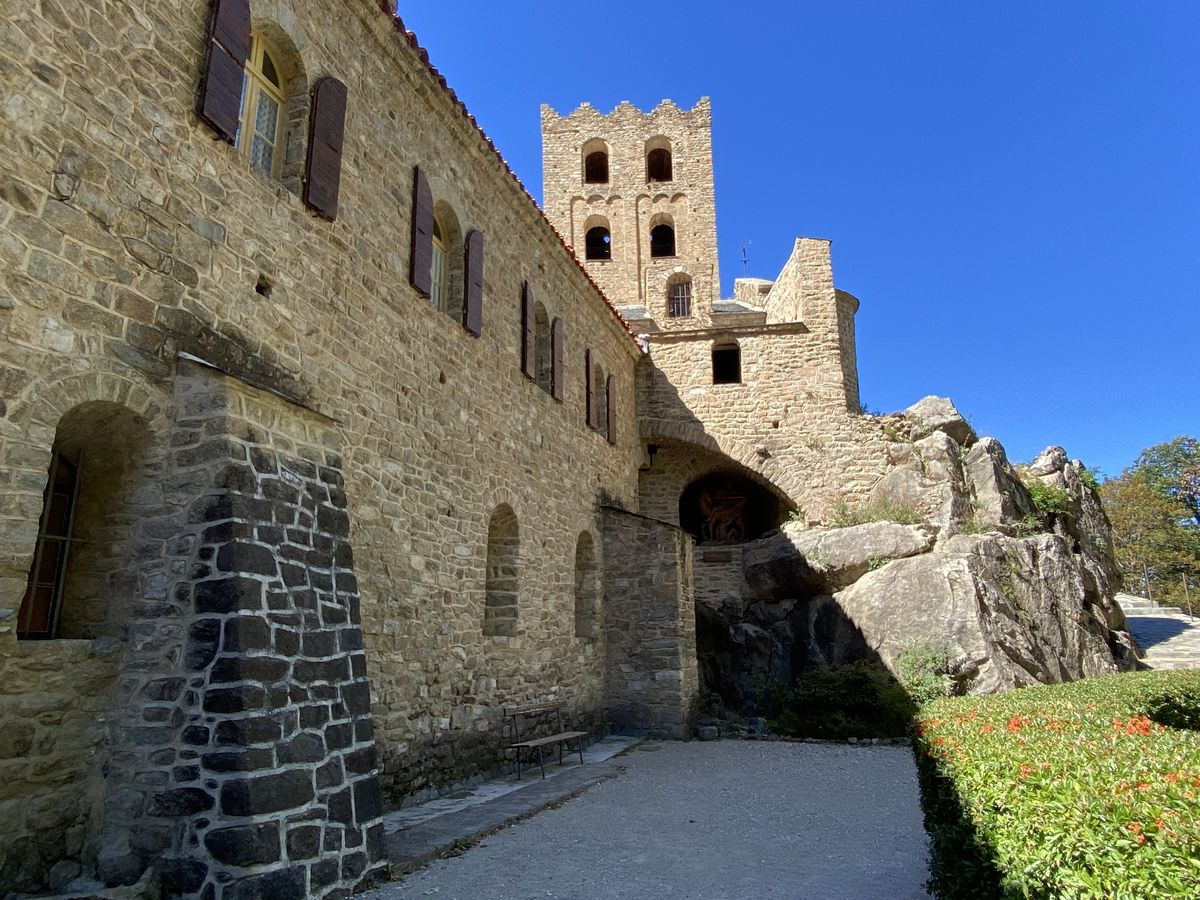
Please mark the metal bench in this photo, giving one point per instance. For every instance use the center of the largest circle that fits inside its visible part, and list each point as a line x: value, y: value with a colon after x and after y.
x: 525, y: 748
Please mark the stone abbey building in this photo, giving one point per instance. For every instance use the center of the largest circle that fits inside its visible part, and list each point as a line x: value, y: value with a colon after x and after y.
x: 320, y: 442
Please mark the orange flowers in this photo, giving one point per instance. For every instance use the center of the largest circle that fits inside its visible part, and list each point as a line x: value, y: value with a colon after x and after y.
x: 986, y: 729
x: 1136, y: 725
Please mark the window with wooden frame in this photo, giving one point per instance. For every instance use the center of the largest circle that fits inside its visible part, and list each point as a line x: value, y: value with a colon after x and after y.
x: 437, y: 267
x: 38, y: 615
x: 260, y: 131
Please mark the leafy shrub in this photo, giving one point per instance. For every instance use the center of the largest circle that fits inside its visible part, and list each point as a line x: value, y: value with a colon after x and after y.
x: 1065, y: 791
x: 1029, y: 526
x: 924, y: 671
x: 845, y: 515
x: 1050, y: 500
x: 859, y: 699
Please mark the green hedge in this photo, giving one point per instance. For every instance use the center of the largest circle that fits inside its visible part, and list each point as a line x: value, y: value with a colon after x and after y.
x: 1084, y: 790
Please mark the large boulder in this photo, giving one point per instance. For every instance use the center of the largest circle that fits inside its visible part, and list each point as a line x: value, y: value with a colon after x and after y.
x: 1012, y: 611
x: 829, y: 558
x: 939, y: 414
x: 929, y: 482
x: 1000, y: 499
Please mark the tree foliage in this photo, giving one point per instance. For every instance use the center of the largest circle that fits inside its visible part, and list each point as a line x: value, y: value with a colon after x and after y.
x: 1173, y: 469
x: 1154, y: 507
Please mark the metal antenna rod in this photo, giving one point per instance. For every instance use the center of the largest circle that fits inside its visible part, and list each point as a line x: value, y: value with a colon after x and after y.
x: 745, y: 259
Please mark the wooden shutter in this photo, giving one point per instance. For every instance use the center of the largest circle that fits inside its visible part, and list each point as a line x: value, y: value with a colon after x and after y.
x: 326, y: 130
x: 473, y: 296
x: 228, y: 47
x: 556, y: 360
x: 528, y: 349
x: 589, y: 415
x: 421, y: 257
x: 610, y: 391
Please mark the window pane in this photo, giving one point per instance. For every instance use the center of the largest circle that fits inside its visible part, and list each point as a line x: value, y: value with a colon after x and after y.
x: 262, y: 155
x: 266, y: 118
x: 437, y: 270
x: 268, y: 69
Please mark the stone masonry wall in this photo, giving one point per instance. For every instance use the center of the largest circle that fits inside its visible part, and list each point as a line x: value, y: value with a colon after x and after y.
x: 650, y: 624
x: 129, y: 235
x: 269, y: 745
x: 630, y: 203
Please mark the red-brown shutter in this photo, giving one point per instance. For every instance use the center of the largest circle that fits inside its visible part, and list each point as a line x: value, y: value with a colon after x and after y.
x: 556, y: 360
x: 610, y: 426
x: 224, y: 65
x: 326, y: 130
x: 528, y: 350
x: 473, y: 298
x: 589, y: 415
x: 421, y: 258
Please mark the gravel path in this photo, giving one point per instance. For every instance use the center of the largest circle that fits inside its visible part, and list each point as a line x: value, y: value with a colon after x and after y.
x: 710, y: 821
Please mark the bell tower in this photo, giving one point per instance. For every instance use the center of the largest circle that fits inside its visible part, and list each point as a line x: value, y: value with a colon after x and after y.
x: 632, y: 193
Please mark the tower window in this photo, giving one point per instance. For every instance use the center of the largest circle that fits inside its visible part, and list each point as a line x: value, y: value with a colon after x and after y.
x: 598, y: 243
x: 662, y: 240
x: 262, y: 107
x: 679, y: 299
x: 727, y: 364
x: 658, y: 165
x: 595, y: 167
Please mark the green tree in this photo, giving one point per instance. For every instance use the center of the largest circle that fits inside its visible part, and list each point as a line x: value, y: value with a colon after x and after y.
x: 1154, y: 507
x: 1173, y: 468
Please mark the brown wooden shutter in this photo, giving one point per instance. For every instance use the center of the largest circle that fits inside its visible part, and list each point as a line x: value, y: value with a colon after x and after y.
x: 421, y: 258
x: 610, y: 390
x: 528, y: 349
x: 473, y: 296
x: 224, y: 67
x: 589, y: 415
x: 326, y: 130
x: 556, y: 360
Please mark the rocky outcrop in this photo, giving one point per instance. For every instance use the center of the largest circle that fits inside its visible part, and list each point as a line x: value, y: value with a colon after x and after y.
x: 939, y: 414
x: 1011, y: 611
x: 1016, y: 592
x: 828, y: 557
x: 999, y: 498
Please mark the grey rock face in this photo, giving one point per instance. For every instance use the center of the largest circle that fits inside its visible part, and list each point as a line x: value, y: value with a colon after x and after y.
x: 831, y: 557
x: 939, y: 414
x: 999, y: 496
x: 1012, y: 611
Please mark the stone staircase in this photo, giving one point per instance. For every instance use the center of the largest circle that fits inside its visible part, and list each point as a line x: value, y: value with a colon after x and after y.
x: 1169, y: 637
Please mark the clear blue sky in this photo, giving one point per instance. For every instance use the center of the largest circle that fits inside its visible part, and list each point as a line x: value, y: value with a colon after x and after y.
x: 1012, y: 188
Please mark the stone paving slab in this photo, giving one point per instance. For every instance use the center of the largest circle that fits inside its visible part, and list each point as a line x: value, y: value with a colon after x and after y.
x: 421, y: 833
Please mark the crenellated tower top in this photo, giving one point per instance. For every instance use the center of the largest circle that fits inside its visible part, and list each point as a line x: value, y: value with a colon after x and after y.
x: 632, y: 192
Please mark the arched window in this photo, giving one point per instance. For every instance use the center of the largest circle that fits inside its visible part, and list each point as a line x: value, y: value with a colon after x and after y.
x: 85, y: 540
x: 261, y: 124
x: 587, y: 588
x: 679, y: 297
x: 595, y: 167
x: 662, y: 240
x: 544, y: 375
x: 502, y: 577
x: 727, y: 363
x: 598, y: 243
x: 437, y: 266
x: 658, y: 159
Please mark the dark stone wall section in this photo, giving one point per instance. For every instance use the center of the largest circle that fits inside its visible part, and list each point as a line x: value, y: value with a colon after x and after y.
x: 244, y: 762
x: 286, y: 801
